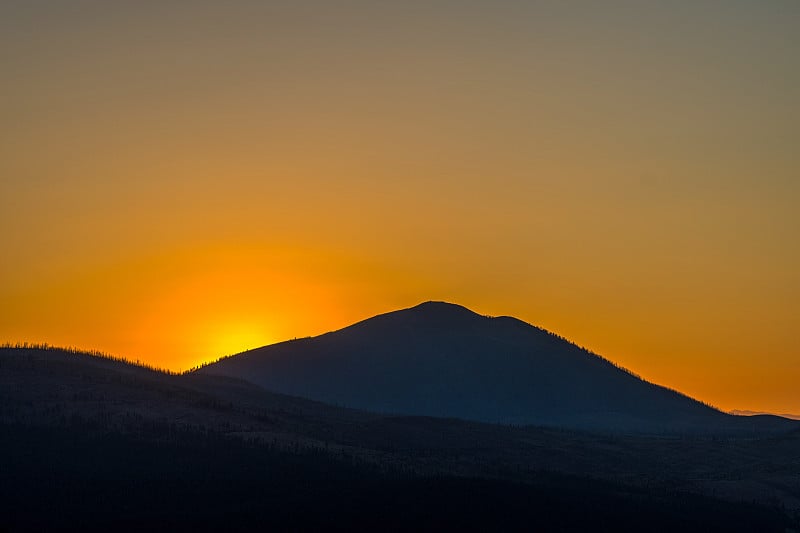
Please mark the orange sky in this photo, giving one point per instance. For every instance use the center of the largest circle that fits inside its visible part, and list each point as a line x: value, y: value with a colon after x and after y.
x: 179, y: 182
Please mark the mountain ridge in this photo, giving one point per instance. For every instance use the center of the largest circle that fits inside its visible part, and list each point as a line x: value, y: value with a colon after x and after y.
x: 745, y: 412
x: 445, y: 360
x: 77, y: 428
x: 443, y: 306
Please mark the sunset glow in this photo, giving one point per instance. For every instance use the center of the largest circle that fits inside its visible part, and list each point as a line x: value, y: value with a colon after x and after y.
x: 181, y: 183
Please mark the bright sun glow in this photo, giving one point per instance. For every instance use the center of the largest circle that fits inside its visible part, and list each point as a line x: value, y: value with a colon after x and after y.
x: 228, y: 339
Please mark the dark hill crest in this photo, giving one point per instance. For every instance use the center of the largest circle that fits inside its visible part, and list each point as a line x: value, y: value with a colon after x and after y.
x: 444, y: 360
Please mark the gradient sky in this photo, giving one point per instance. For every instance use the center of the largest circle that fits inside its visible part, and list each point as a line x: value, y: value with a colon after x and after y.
x: 182, y: 180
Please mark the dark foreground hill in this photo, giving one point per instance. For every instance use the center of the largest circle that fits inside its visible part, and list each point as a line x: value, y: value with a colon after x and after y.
x: 95, y: 445
x: 443, y: 360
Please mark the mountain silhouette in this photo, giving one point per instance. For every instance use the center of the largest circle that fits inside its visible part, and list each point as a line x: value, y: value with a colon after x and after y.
x: 109, y: 445
x: 444, y: 360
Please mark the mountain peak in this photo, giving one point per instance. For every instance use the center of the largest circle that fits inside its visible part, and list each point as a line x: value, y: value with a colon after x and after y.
x: 430, y: 314
x: 442, y: 359
x: 440, y: 307
x: 436, y: 313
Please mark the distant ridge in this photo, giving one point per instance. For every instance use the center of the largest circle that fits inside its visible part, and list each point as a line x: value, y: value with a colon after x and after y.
x: 740, y: 412
x: 444, y: 360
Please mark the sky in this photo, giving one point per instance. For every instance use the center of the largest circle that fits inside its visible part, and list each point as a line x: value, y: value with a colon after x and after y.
x: 185, y: 180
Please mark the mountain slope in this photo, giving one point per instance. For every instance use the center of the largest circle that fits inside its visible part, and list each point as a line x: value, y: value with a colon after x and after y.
x: 443, y: 360
x: 88, y: 440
